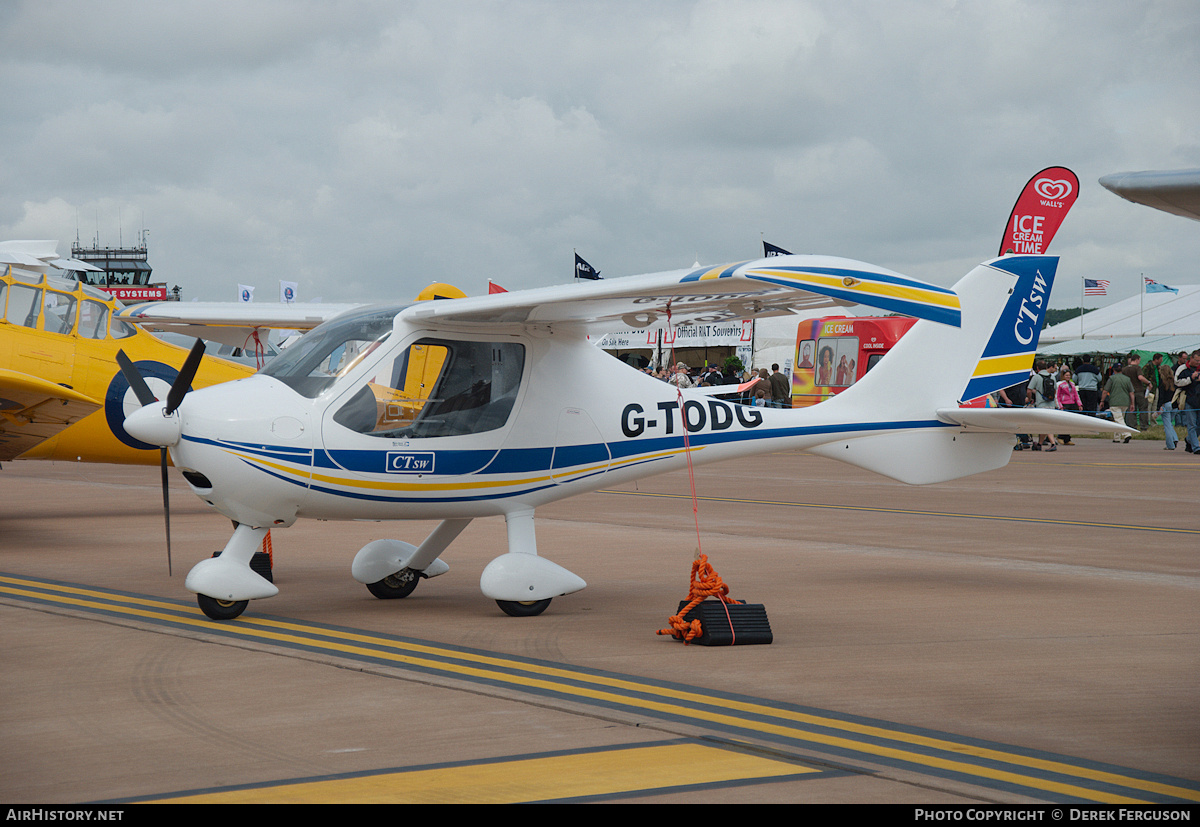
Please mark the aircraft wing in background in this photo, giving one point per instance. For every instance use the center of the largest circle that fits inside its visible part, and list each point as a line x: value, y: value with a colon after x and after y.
x: 32, y: 410
x: 231, y: 323
x: 1173, y: 191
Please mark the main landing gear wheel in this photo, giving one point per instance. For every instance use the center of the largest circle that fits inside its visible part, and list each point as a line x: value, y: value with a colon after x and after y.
x: 400, y: 584
x: 221, y: 609
x: 527, y: 608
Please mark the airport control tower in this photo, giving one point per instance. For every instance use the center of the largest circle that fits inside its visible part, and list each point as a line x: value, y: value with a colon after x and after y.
x: 125, y: 272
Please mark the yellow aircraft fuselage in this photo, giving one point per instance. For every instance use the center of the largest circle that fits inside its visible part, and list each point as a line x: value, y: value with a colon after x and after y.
x: 62, y: 395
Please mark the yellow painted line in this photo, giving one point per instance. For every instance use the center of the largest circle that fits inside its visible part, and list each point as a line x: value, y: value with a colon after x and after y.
x: 607, y: 772
x: 907, y: 511
x: 479, y: 667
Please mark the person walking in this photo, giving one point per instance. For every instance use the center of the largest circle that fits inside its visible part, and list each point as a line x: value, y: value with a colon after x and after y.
x: 1166, y: 394
x: 1040, y: 394
x: 1087, y: 380
x: 1066, y: 398
x: 1118, y: 395
x: 1187, y: 378
x: 1138, y: 409
x: 781, y: 389
x: 1154, y: 388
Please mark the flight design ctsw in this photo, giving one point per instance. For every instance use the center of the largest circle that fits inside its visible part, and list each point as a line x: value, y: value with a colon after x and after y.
x: 498, y: 404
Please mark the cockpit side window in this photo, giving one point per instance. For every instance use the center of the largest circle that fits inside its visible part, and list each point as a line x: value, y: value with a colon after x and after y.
x: 331, y: 350
x: 438, y: 387
x: 59, y: 316
x: 24, y: 304
x: 93, y: 319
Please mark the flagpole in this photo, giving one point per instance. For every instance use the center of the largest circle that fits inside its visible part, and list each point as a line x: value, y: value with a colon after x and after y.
x: 1082, y: 285
x: 1142, y: 306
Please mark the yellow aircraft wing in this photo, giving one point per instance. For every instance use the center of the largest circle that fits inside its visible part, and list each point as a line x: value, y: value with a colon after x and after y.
x: 33, y: 410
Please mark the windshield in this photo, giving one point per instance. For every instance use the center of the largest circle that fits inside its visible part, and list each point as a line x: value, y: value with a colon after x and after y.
x: 330, y: 350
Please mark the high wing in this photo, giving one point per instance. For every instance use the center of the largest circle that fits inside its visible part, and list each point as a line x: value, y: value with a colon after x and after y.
x: 32, y: 410
x: 1173, y: 191
x: 231, y: 323
x: 775, y: 286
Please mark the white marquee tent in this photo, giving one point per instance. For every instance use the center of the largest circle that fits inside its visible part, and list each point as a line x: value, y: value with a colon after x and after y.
x: 1161, y: 322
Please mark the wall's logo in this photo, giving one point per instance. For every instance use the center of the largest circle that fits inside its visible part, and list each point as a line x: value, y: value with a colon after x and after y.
x: 1055, y: 190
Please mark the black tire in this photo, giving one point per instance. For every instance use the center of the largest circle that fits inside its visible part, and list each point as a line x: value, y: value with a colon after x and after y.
x: 395, y: 586
x: 528, y: 608
x: 221, y: 609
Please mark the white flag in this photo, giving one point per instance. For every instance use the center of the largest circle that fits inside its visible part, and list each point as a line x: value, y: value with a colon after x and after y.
x: 245, y: 293
x: 287, y: 291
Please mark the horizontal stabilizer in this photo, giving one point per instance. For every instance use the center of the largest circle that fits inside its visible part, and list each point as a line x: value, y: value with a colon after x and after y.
x: 925, y: 456
x: 1029, y: 421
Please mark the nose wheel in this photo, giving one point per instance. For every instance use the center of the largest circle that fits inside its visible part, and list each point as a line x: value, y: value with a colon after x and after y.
x: 221, y: 609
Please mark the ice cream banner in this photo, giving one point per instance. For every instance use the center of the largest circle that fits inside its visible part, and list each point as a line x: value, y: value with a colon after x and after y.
x: 1040, y: 211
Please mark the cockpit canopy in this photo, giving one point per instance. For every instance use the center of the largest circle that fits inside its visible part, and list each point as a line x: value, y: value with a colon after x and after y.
x: 330, y: 350
x: 434, y: 387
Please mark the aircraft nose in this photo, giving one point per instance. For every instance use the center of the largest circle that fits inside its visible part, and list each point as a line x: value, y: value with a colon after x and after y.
x: 151, y: 424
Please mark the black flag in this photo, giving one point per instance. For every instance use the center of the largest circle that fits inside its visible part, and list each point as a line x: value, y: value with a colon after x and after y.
x: 770, y: 249
x: 583, y: 270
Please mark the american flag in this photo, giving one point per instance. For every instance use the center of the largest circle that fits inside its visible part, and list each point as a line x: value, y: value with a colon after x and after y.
x: 1095, y: 287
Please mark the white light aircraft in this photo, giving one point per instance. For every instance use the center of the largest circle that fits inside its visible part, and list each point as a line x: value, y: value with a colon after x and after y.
x: 498, y: 404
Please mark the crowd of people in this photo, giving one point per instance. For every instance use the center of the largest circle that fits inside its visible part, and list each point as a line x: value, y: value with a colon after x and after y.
x: 1166, y: 389
x: 764, y: 390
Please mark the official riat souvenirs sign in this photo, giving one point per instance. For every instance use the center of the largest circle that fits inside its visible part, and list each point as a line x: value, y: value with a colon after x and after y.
x: 1040, y: 211
x: 729, y: 334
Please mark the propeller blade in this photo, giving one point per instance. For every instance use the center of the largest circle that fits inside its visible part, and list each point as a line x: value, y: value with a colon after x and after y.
x: 140, y: 389
x: 183, y: 381
x: 166, y: 507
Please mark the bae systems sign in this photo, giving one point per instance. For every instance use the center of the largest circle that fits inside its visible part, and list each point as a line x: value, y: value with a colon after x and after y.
x: 140, y: 293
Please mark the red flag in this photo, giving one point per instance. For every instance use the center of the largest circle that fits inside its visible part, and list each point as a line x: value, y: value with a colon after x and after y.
x: 495, y: 288
x: 1040, y: 211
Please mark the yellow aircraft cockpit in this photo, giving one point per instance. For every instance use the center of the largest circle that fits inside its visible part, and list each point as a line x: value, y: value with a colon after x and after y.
x: 62, y: 395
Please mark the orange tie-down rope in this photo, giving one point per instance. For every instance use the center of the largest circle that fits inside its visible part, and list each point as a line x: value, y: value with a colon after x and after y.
x: 705, y: 583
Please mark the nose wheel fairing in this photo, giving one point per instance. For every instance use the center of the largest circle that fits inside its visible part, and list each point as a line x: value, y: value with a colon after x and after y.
x: 229, y: 578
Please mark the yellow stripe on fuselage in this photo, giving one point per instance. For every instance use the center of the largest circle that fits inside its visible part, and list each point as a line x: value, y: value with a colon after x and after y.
x: 389, y: 485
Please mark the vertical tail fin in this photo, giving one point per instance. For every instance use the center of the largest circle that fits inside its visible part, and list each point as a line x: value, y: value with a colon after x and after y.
x: 936, y: 366
x: 1008, y: 355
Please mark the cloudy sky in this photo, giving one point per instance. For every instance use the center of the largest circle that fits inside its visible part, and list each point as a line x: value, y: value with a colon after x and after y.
x: 365, y: 149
